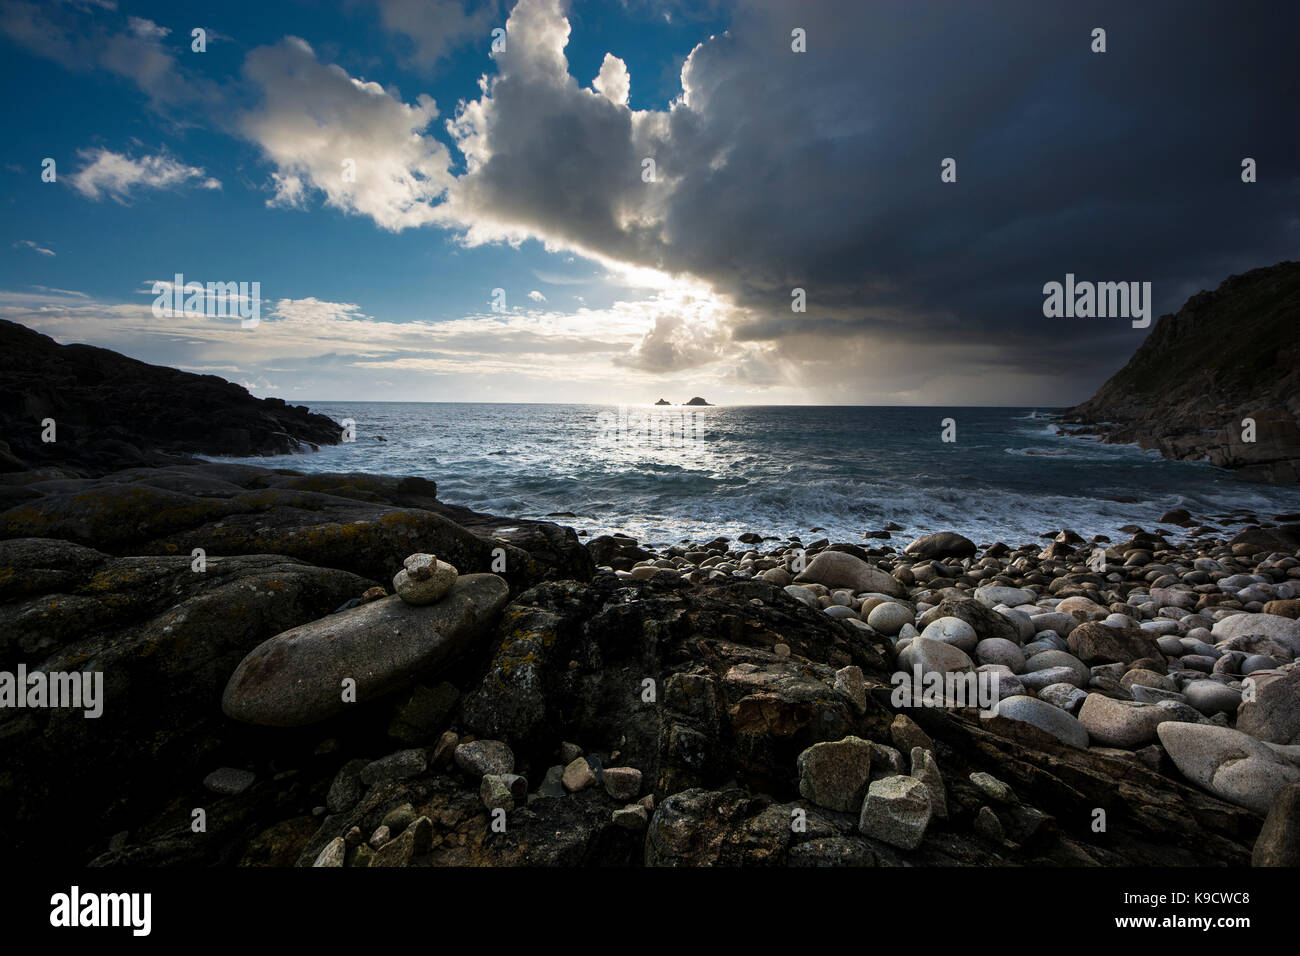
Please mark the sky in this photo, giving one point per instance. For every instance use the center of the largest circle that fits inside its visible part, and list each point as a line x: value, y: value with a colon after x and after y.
x: 453, y: 200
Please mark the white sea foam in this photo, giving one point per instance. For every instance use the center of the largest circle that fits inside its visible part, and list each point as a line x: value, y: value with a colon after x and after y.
x: 783, y: 471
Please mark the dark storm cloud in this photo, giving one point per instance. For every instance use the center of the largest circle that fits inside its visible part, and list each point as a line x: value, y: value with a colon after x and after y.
x: 821, y: 170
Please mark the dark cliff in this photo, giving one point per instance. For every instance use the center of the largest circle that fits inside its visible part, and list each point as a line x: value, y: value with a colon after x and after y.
x: 1225, y: 356
x: 111, y: 411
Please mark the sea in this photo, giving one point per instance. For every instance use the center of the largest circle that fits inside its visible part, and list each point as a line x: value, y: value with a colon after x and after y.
x: 667, y: 475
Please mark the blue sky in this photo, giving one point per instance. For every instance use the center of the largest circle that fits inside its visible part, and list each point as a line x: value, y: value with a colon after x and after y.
x: 106, y: 247
x: 522, y: 171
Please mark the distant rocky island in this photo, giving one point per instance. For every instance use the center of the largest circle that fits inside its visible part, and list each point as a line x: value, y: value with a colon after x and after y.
x: 1218, y: 380
x: 694, y: 401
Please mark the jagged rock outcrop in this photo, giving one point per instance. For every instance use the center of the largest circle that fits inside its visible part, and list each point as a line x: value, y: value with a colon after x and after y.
x: 1225, y: 356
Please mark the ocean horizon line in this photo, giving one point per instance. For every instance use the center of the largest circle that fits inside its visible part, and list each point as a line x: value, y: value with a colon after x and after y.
x: 380, y: 401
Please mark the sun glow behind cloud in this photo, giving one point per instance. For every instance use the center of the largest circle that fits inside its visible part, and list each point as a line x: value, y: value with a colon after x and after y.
x: 623, y: 351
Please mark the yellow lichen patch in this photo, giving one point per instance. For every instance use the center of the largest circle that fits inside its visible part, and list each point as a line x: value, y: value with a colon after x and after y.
x: 115, y: 579
x: 25, y: 519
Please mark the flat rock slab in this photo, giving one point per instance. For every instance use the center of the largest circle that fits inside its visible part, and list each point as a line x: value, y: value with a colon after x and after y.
x: 296, y: 678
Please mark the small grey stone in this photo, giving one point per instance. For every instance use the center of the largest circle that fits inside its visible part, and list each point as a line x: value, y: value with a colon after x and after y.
x: 993, y: 788
x: 850, y: 682
x: 494, y: 791
x: 622, y: 783
x: 926, y: 769
x: 424, y: 579
x: 552, y: 785
x: 836, y: 774
x: 897, y: 811
x: 229, y: 781
x: 333, y: 854
x: 1211, y: 697
x: 1045, y: 717
x: 347, y: 787
x: 988, y: 825
x: 399, y: 819
x: 480, y: 757
x: 632, y: 817
x: 1065, y: 696
x: 906, y: 734
x: 569, y: 752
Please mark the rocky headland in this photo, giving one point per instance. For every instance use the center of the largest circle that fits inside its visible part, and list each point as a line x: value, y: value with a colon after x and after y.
x: 111, y: 412
x: 1226, y: 356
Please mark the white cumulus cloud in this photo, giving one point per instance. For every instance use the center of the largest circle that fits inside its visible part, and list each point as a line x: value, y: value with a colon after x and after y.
x: 352, y: 140
x: 106, y: 173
